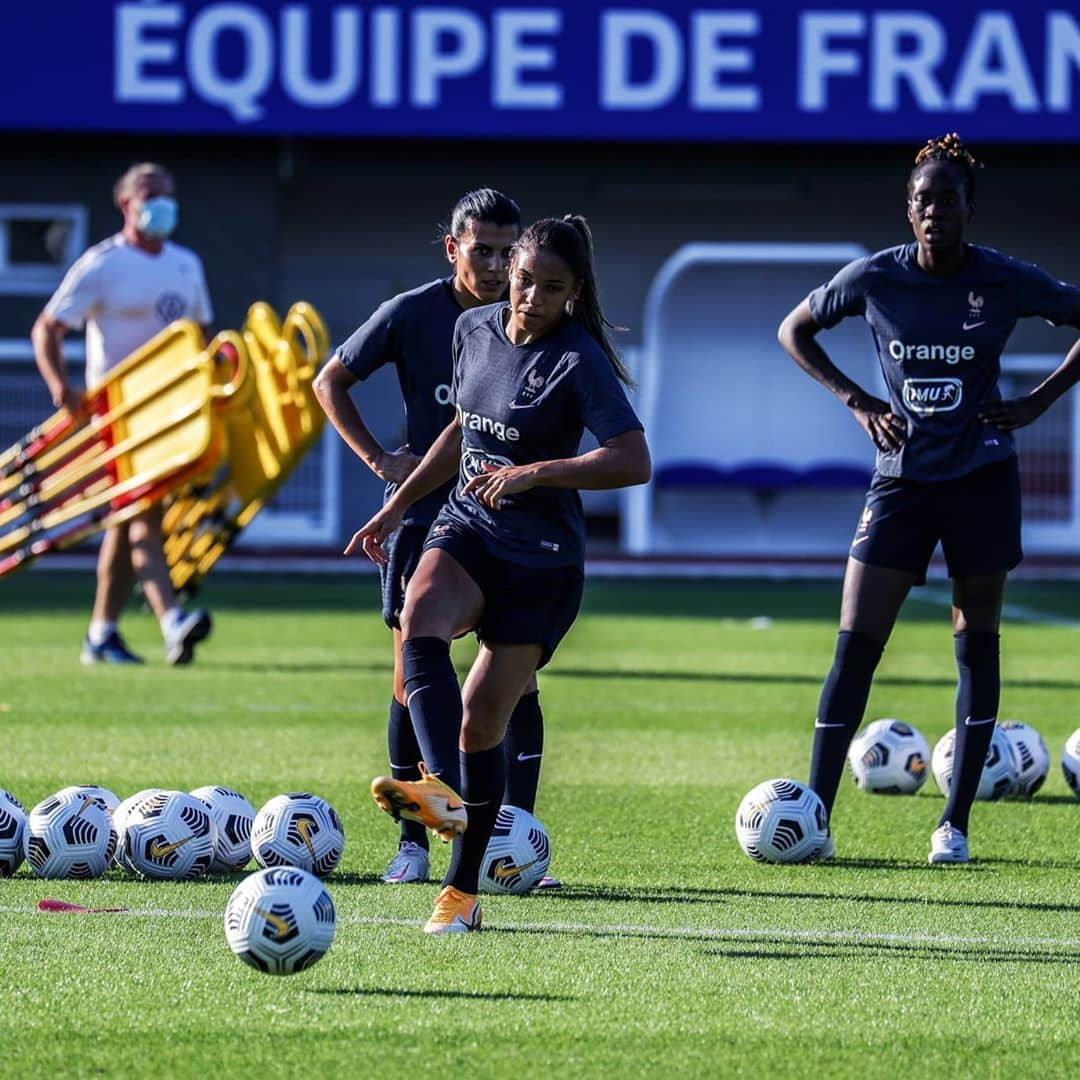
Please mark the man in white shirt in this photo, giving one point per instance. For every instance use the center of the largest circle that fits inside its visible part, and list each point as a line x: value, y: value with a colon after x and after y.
x: 125, y: 290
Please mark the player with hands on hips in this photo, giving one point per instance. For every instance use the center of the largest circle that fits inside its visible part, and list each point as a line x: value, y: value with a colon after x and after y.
x: 125, y: 290
x: 941, y: 311
x: 505, y: 555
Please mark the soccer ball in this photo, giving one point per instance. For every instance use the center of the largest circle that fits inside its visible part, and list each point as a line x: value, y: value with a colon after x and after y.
x: 232, y: 815
x: 1031, y: 759
x: 781, y: 821
x: 109, y: 798
x: 1070, y: 762
x: 120, y: 818
x: 69, y: 835
x: 889, y: 757
x: 280, y: 920
x: 999, y: 772
x: 298, y: 829
x: 169, y: 835
x: 517, y: 854
x: 12, y: 827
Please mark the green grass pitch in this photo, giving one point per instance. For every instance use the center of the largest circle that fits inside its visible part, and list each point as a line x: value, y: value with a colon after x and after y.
x: 668, y: 953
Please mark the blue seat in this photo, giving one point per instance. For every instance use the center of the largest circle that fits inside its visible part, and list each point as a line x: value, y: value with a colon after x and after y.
x: 760, y: 476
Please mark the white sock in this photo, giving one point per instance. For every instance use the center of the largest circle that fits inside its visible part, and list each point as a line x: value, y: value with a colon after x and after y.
x: 99, y: 630
x: 169, y: 620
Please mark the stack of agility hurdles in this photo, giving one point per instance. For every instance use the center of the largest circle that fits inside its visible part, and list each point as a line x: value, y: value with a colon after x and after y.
x: 209, y: 432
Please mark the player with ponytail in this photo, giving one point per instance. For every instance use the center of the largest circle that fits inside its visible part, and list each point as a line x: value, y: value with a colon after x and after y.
x: 505, y: 556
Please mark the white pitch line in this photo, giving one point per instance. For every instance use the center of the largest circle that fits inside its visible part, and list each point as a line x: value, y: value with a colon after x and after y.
x: 1019, y: 612
x: 632, y: 929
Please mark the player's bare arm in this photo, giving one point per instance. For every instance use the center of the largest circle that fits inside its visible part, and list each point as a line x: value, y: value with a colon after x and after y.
x: 621, y: 462
x: 332, y: 387
x: 438, y: 465
x: 798, y: 336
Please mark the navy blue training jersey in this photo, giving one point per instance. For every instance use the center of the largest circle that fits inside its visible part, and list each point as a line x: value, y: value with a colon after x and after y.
x: 939, y: 341
x: 413, y: 331
x: 519, y: 404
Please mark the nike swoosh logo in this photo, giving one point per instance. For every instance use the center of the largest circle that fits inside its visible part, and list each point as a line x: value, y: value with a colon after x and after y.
x: 528, y: 757
x: 281, y: 927
x: 819, y: 724
x: 303, y: 827
x: 512, y: 871
x: 158, y: 851
x: 855, y: 543
x: 451, y: 808
x: 972, y: 326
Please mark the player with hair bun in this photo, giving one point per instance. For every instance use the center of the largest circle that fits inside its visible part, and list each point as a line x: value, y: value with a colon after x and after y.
x: 505, y: 556
x: 941, y: 311
x: 414, y: 332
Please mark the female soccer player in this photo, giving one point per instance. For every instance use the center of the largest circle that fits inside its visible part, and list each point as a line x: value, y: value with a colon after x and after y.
x: 414, y: 331
x: 505, y: 555
x: 940, y: 311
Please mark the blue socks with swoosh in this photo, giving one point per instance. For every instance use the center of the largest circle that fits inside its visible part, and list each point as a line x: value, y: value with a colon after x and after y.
x: 433, y: 698
x: 524, y: 752
x: 404, y: 756
x: 483, y: 775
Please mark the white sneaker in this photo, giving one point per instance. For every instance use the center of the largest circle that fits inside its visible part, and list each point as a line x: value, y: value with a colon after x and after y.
x: 947, y: 845
x: 181, y: 639
x: 409, y: 865
x: 828, y: 850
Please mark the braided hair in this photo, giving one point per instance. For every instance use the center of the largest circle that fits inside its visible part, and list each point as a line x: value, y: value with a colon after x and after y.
x: 950, y: 149
x: 570, y: 238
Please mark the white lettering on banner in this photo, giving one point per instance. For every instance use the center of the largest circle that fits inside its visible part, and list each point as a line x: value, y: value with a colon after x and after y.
x: 240, y: 93
x: 711, y: 58
x: 893, y: 62
x: 328, y: 55
x: 135, y: 49
x: 508, y: 90
x: 431, y: 63
x: 296, y: 58
x: 994, y: 36
x: 618, y: 29
x: 818, y: 58
x: 1062, y: 59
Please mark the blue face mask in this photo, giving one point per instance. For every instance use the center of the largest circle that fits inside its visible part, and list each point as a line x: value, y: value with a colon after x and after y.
x: 159, y: 216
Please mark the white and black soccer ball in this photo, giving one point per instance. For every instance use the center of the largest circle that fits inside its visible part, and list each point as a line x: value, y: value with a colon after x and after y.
x: 1031, y: 759
x: 517, y: 855
x: 999, y: 772
x: 12, y: 828
x: 69, y: 835
x: 120, y: 817
x: 233, y: 815
x: 169, y: 835
x: 109, y: 798
x: 298, y: 829
x: 1070, y: 762
x: 782, y: 821
x: 280, y: 920
x: 889, y: 757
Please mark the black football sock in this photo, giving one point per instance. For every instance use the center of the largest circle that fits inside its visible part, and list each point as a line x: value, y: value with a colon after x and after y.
x: 433, y: 697
x: 404, y: 756
x: 840, y: 710
x: 524, y: 752
x: 483, y: 776
x: 977, y: 694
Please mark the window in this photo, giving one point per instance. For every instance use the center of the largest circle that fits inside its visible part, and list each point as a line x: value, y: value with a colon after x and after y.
x: 38, y: 242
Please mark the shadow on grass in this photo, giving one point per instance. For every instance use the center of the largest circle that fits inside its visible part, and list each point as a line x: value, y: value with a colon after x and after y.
x: 828, y: 949
x: 689, y: 895
x: 456, y: 995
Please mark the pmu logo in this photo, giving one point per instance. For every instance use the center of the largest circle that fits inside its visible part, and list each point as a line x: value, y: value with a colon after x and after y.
x: 929, y: 396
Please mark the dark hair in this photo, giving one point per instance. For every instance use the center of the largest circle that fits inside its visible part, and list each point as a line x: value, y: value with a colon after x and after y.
x: 484, y: 204
x: 570, y: 238
x: 950, y: 149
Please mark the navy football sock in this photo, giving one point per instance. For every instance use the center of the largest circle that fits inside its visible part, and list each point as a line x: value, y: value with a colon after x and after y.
x: 840, y: 710
x: 404, y: 756
x: 977, y: 694
x: 433, y: 697
x: 483, y: 775
x: 524, y: 751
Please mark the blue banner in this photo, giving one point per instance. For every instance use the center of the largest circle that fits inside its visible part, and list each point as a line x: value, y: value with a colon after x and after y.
x: 562, y: 69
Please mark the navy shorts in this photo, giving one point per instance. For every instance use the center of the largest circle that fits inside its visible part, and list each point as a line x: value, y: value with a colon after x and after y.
x: 976, y: 517
x: 523, y: 605
x: 404, y: 547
